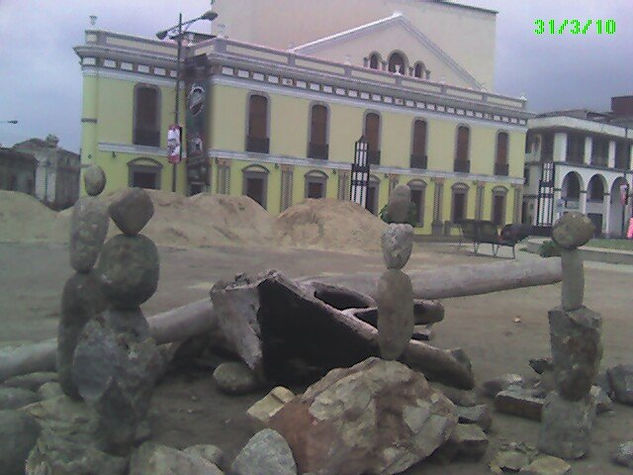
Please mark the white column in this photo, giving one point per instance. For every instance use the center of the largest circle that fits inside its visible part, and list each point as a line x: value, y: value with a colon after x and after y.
x: 611, y: 162
x: 583, y: 201
x: 587, y: 156
x: 560, y: 146
x: 630, y: 157
x: 606, y: 213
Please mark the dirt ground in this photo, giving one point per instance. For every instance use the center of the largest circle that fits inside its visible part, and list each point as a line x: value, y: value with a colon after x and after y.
x: 187, y: 409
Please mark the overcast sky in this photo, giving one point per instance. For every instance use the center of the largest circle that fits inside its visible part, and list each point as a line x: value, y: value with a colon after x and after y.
x: 40, y: 78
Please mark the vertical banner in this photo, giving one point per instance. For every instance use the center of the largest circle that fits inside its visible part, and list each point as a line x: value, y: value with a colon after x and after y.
x: 174, y: 150
x: 624, y: 194
x: 197, y: 113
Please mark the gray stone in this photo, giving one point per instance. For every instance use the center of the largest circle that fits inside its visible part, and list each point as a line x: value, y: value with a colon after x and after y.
x: 397, y: 243
x: 540, y: 365
x: 50, y: 390
x: 573, y: 286
x: 398, y: 205
x: 459, y: 397
x: 265, y: 408
x: 423, y: 332
x: 88, y: 230
x: 162, y: 460
x: 600, y: 399
x: 18, y: 433
x: 128, y: 270
x: 572, y: 230
x: 621, y: 379
x: 82, y: 299
x: 266, y: 453
x: 377, y: 417
x: 132, y: 322
x: 546, y: 465
x: 468, y: 442
x: 479, y: 415
x: 576, y: 350
x: 94, y: 180
x: 623, y: 454
x: 208, y: 452
x: 394, y: 296
x: 132, y: 210
x: 493, y: 386
x: 234, y: 377
x: 519, y: 402
x: 509, y: 461
x: 30, y: 381
x: 602, y: 380
x: 566, y: 427
x: 14, y: 398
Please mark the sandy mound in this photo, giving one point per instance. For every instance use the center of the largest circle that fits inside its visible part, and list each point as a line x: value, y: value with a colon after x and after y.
x: 24, y: 219
x: 330, y: 224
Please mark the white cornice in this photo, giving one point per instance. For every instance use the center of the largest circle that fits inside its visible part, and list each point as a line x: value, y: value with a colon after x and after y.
x: 93, y: 71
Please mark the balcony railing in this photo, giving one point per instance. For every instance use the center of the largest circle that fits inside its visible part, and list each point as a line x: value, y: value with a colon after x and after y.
x: 256, y: 144
x: 373, y: 157
x: 147, y: 137
x: 502, y: 169
x: 419, y: 161
x: 318, y: 151
x: 461, y: 166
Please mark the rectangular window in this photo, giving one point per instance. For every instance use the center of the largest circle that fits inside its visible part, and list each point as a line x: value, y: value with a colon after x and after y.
x: 417, y: 198
x: 144, y: 180
x: 372, y: 136
x: 622, y: 155
x: 600, y: 152
x: 575, y: 147
x: 418, y: 152
x: 257, y: 139
x: 318, y: 147
x: 459, y: 206
x: 146, y: 116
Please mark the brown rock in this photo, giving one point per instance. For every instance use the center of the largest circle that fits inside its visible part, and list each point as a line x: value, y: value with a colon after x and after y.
x: 519, y: 402
x: 94, y: 180
x: 395, y: 313
x: 573, y: 230
x: 132, y: 211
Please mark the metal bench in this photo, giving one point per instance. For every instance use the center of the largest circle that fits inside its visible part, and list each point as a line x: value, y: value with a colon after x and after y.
x: 486, y: 232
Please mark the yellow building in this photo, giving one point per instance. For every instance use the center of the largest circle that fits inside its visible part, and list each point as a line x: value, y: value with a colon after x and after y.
x: 280, y: 124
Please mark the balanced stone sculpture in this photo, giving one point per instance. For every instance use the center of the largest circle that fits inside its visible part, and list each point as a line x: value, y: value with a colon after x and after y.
x: 82, y: 298
x: 394, y: 294
x: 575, y: 332
x: 116, y: 362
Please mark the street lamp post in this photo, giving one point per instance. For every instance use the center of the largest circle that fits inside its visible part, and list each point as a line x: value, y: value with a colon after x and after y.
x: 177, y: 32
x: 8, y: 121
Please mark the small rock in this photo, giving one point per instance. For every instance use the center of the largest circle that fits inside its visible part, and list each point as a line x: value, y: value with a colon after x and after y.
x: 602, y: 402
x: 602, y: 380
x: 541, y: 364
x: 572, y: 230
x: 209, y: 452
x: 397, y: 243
x: 14, y: 398
x: 30, y: 381
x: 266, y: 453
x: 509, y: 461
x: 132, y: 211
x: 479, y: 415
x: 18, y: 433
x: 519, y: 402
x: 94, y: 180
x: 623, y: 454
x: 491, y: 387
x: 422, y: 332
x: 470, y: 442
x: 268, y: 406
x: 547, y: 465
x: 621, y: 379
x: 162, y: 460
x: 398, y: 205
x: 459, y: 397
x: 234, y: 377
x: 50, y: 390
x: 88, y: 229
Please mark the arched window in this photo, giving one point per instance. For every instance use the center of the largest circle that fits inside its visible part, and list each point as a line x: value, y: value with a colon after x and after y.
x: 418, y: 145
x: 397, y: 63
x: 144, y: 173
x: 318, y: 146
x: 315, y: 184
x: 255, y: 183
x: 374, y: 61
x: 459, y: 205
x: 146, y: 115
x: 501, y: 158
x: 462, y: 164
x: 418, y: 70
x: 595, y: 189
x: 499, y: 194
x: 418, y: 191
x: 571, y: 187
x: 372, y: 136
x: 257, y: 139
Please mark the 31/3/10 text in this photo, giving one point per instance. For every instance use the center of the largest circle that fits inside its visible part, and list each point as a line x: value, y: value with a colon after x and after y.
x: 574, y: 26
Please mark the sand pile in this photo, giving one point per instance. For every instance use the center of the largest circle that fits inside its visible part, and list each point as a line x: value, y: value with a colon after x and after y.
x: 24, y: 219
x: 330, y: 224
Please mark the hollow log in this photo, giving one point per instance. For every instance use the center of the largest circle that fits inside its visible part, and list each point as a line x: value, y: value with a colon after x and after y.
x: 458, y: 281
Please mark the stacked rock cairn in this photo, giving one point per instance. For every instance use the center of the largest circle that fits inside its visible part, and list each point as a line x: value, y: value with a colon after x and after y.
x: 395, y: 294
x: 575, y: 332
x: 82, y: 298
x: 116, y: 362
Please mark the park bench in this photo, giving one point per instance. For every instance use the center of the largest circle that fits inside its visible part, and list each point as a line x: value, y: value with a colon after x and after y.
x: 486, y: 232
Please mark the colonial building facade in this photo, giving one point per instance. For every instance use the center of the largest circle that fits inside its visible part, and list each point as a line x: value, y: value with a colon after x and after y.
x: 579, y: 161
x: 279, y: 122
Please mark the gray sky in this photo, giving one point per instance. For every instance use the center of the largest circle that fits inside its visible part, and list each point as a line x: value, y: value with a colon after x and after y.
x: 40, y: 77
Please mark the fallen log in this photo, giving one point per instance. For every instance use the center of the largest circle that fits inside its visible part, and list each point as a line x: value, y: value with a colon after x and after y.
x: 458, y: 281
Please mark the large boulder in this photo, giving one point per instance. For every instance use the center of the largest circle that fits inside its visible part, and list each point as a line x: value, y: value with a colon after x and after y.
x: 377, y: 417
x: 266, y: 453
x: 162, y: 460
x: 18, y: 433
x: 15, y: 398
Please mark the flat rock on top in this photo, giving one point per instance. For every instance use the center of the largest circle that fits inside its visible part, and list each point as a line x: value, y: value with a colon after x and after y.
x: 132, y: 210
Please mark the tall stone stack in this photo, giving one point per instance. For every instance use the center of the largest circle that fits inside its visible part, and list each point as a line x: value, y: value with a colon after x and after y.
x: 82, y: 298
x: 575, y: 333
x: 116, y: 362
x: 395, y: 294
